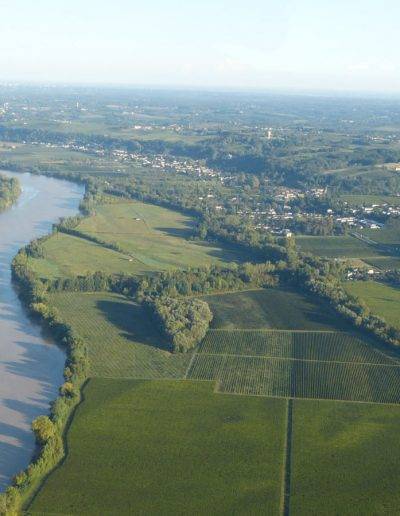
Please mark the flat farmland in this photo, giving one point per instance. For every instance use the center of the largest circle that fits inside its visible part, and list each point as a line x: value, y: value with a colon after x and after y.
x: 149, y: 238
x: 304, y: 345
x: 169, y: 447
x: 154, y: 236
x: 278, y: 308
x: 315, y: 365
x: 382, y: 299
x: 345, y: 459
x: 68, y: 256
x: 337, y: 247
x: 121, y: 339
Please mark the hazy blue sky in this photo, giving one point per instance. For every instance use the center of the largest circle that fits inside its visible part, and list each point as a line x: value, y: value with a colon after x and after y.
x: 324, y: 44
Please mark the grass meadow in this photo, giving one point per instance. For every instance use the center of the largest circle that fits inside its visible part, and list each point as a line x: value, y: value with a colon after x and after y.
x: 67, y: 256
x: 121, y: 339
x: 151, y: 238
x: 382, y: 299
x: 168, y: 447
x: 345, y: 459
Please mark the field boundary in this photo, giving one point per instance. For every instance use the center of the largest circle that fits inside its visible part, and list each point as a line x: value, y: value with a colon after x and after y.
x: 189, y: 366
x: 273, y: 357
x: 272, y: 330
x: 287, y: 460
x: 328, y: 400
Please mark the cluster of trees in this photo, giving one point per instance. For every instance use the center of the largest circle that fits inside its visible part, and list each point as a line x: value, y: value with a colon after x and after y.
x: 392, y: 277
x: 208, y: 279
x: 322, y: 278
x: 231, y: 230
x: 48, y: 429
x: 10, y: 190
x: 97, y: 282
x: 184, y: 321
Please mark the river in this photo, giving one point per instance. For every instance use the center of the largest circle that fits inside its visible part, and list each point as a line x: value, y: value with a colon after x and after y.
x: 30, y: 366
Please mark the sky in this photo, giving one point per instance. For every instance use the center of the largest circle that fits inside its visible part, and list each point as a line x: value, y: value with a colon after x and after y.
x: 350, y: 45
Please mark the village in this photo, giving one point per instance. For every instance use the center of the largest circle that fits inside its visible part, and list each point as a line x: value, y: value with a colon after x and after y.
x: 278, y: 211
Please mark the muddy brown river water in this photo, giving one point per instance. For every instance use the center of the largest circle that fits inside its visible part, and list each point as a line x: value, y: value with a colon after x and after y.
x: 30, y: 365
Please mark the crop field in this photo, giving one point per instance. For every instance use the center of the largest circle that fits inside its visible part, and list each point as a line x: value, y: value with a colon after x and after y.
x: 345, y: 457
x: 384, y: 262
x: 320, y: 365
x: 168, y: 447
x: 337, y: 247
x: 389, y: 235
x: 150, y: 238
x: 303, y: 345
x: 278, y: 308
x: 382, y: 299
x: 122, y: 341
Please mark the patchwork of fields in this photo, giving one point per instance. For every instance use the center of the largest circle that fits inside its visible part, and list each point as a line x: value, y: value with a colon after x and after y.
x: 320, y: 365
x: 351, y: 248
x: 320, y: 361
x: 173, y: 444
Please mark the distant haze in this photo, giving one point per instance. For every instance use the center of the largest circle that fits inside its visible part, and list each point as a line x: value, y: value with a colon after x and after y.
x: 260, y: 44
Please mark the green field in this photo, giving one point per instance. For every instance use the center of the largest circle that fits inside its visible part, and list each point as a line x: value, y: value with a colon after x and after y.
x: 67, y: 255
x: 151, y: 238
x: 368, y: 200
x: 389, y: 235
x: 58, y: 159
x: 278, y: 308
x: 382, y: 299
x: 165, y: 447
x: 319, y: 365
x: 384, y: 262
x: 336, y: 247
x: 329, y: 346
x: 122, y: 340
x: 345, y: 459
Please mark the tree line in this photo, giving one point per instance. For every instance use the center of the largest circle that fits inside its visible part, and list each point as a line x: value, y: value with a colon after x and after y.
x: 48, y: 430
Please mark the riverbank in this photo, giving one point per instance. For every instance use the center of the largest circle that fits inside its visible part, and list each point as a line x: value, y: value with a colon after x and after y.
x: 31, y: 365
